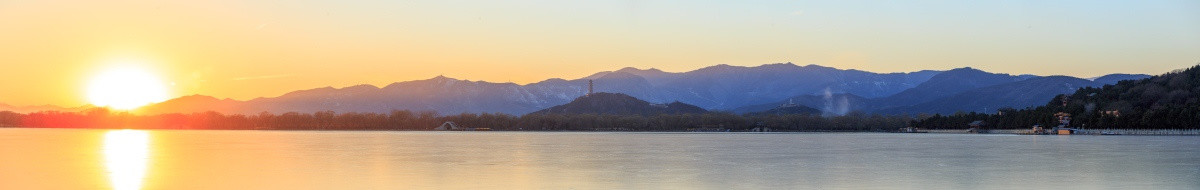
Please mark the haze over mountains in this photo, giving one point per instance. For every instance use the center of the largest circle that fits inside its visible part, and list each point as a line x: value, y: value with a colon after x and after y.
x: 722, y: 87
x: 28, y: 109
x: 956, y: 90
x: 619, y: 104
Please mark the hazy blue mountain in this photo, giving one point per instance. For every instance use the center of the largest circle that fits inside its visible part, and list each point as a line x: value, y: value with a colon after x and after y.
x: 963, y: 89
x: 442, y: 94
x: 721, y: 87
x: 1114, y: 78
x: 945, y: 84
x: 1027, y: 93
x: 618, y: 104
x: 1026, y: 76
x: 654, y: 76
x: 729, y: 87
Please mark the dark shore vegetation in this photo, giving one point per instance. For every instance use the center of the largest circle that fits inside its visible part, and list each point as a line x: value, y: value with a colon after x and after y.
x: 408, y: 120
x: 1168, y: 101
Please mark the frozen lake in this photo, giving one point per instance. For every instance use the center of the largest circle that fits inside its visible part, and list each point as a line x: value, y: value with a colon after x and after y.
x: 124, y: 159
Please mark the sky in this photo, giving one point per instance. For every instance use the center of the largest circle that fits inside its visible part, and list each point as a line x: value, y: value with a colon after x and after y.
x: 49, y: 49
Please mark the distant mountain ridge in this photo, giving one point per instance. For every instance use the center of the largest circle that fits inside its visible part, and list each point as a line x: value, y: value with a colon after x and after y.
x: 739, y: 89
x: 944, y: 84
x: 30, y: 109
x: 715, y: 87
x: 1021, y: 94
x: 957, y: 90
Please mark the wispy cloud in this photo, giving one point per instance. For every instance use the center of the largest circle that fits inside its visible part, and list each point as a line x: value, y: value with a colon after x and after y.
x: 263, y: 77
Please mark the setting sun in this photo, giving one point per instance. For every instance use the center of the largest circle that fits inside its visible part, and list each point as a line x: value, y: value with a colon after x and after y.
x: 125, y: 88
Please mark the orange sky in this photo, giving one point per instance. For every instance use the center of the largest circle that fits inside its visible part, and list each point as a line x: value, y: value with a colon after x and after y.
x: 243, y: 50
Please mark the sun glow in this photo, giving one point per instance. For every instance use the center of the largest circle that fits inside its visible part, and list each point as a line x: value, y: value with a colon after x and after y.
x: 126, y: 153
x: 125, y: 88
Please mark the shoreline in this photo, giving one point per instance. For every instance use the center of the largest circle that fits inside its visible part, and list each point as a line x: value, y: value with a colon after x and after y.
x: 1094, y: 132
x: 1137, y: 132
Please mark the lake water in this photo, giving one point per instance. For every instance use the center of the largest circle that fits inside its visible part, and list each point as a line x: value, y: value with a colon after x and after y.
x: 127, y: 160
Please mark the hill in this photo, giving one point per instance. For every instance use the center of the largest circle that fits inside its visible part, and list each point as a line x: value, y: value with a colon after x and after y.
x: 618, y: 104
x: 943, y: 85
x: 191, y: 104
x: 1168, y: 101
x: 1114, y: 78
x: 1020, y: 94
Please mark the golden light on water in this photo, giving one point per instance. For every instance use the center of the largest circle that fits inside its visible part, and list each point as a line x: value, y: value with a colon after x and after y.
x: 126, y: 153
x: 125, y: 87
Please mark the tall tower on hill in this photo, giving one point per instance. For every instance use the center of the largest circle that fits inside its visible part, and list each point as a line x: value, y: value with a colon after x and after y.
x: 589, y: 88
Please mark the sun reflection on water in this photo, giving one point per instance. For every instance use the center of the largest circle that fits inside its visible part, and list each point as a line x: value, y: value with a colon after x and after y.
x: 125, y: 155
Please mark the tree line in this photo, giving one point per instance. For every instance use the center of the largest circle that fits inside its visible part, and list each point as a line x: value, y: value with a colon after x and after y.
x: 428, y: 120
x: 1168, y: 101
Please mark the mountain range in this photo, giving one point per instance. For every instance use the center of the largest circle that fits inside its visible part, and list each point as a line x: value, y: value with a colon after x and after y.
x: 30, y: 109
x: 738, y: 89
x: 956, y: 90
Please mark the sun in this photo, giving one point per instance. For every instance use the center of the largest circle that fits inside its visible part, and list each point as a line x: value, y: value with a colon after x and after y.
x: 125, y: 88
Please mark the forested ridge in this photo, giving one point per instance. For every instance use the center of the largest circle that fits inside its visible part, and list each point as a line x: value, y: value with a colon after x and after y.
x: 1168, y: 101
